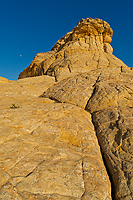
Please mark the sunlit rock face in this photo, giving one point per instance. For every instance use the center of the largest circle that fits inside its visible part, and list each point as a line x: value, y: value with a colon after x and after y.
x: 66, y: 125
x: 49, y: 150
x: 95, y: 33
x: 74, y: 53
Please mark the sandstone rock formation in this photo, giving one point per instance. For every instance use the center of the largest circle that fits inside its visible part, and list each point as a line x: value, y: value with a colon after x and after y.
x: 87, y: 41
x: 48, y: 150
x: 67, y: 133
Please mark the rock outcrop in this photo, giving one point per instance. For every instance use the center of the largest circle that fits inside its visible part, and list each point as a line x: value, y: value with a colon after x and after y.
x: 67, y: 133
x: 109, y: 98
x: 76, y: 52
x: 49, y: 150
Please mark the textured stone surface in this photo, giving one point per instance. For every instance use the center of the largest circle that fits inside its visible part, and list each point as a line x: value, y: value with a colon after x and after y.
x: 109, y: 98
x: 48, y: 150
x: 33, y: 69
x: 76, y: 52
x: 51, y: 125
x: 113, y: 117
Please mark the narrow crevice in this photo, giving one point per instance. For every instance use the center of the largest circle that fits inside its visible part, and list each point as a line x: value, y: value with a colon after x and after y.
x: 50, y: 97
x: 108, y: 60
x: 54, y: 99
x: 36, y: 129
x: 42, y: 69
x: 97, y: 63
x: 32, y: 170
x: 94, y: 56
x: 56, y: 80
x: 94, y: 91
x: 69, y: 69
x: 96, y: 131
x: 82, y: 164
x: 104, y: 160
x: 83, y: 179
x: 29, y: 174
x: 48, y: 68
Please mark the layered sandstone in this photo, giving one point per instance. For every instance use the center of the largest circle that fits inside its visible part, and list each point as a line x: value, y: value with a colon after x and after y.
x: 67, y: 133
x: 89, y: 37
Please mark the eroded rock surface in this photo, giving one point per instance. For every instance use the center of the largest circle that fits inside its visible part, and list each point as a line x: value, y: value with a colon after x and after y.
x: 48, y: 150
x: 78, y: 51
x: 109, y: 98
x: 52, y: 124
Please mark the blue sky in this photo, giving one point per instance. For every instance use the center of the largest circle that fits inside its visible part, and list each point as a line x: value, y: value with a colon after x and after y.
x: 28, y: 27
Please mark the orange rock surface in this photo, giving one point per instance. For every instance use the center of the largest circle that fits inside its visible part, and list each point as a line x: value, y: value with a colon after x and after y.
x: 66, y: 128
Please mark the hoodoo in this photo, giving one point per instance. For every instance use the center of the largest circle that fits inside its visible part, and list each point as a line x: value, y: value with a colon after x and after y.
x: 67, y: 131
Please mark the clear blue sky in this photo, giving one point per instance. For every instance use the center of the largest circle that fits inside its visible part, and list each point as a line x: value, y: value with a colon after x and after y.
x: 28, y: 27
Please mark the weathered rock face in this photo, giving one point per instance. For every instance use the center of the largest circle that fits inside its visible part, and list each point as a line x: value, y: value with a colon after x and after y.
x: 94, y: 32
x: 109, y: 98
x: 49, y: 146
x: 48, y: 150
x: 76, y: 52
